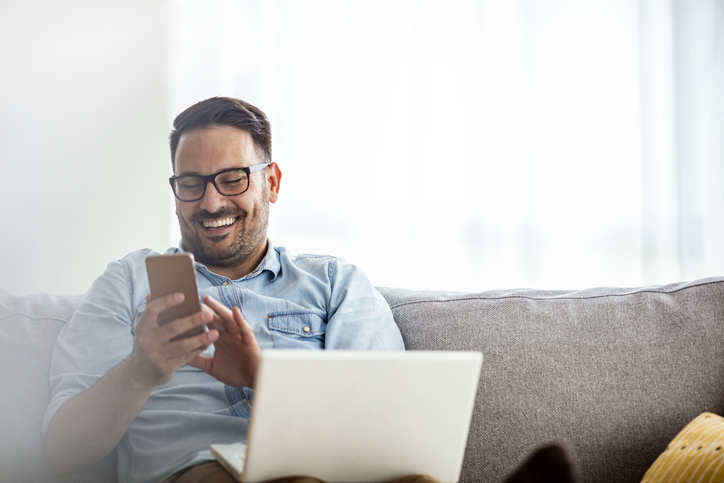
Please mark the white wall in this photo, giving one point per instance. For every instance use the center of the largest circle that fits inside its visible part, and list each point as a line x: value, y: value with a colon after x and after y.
x: 83, y: 150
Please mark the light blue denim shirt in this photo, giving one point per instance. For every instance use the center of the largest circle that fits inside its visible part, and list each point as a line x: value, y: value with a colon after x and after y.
x: 181, y: 419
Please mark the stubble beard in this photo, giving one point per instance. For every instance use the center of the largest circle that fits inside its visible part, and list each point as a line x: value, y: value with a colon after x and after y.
x: 251, y: 237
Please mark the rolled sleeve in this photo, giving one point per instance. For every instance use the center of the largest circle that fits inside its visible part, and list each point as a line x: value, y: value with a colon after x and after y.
x: 359, y: 317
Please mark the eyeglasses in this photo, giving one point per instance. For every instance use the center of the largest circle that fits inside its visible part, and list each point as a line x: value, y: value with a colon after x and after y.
x: 229, y: 182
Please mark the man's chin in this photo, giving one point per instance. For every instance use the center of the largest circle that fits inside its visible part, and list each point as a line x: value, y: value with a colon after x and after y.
x: 219, y: 260
x: 216, y: 238
x: 210, y: 252
x: 218, y: 257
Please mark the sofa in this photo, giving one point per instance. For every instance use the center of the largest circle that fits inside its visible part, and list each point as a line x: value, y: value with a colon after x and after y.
x: 611, y: 373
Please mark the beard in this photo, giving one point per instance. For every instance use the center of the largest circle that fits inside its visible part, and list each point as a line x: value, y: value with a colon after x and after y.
x: 251, y: 237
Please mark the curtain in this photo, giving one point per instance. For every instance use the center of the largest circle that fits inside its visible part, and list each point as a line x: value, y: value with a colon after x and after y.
x: 469, y: 145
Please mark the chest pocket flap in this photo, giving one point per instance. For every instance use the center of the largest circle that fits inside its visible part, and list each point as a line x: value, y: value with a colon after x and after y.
x: 301, y: 323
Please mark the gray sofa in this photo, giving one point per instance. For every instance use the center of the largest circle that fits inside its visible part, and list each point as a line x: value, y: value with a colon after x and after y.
x: 613, y: 373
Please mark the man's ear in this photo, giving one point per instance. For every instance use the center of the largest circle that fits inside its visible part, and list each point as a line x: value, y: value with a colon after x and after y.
x: 273, y: 179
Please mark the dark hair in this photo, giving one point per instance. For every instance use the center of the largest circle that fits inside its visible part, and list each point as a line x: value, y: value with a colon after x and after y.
x: 224, y: 111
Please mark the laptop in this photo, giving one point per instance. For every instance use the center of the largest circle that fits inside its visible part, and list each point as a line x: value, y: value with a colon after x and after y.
x: 357, y: 416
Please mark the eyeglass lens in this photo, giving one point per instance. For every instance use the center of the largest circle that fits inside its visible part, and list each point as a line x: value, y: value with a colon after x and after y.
x: 229, y: 183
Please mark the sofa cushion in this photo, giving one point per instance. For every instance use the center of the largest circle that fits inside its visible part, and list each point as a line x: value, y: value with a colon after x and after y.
x: 29, y: 326
x: 613, y: 373
x: 695, y: 455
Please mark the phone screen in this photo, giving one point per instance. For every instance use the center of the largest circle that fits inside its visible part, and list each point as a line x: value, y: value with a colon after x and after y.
x: 168, y: 274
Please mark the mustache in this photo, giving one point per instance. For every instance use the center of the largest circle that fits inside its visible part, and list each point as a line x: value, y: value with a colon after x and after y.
x: 204, y: 215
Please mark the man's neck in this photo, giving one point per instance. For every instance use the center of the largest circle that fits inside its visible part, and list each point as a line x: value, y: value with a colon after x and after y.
x: 238, y: 271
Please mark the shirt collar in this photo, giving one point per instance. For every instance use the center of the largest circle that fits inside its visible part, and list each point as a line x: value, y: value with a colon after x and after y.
x: 270, y: 262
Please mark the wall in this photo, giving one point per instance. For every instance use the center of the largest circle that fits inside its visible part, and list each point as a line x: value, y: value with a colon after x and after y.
x: 461, y: 145
x: 83, y: 132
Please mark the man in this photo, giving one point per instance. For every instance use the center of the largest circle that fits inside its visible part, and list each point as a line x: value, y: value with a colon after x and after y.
x: 117, y: 379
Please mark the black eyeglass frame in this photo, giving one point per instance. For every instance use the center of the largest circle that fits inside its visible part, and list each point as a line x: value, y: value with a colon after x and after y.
x: 211, y: 178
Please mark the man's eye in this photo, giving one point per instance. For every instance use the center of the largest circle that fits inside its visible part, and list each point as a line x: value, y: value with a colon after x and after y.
x: 190, y: 184
x: 230, y: 183
x: 232, y: 179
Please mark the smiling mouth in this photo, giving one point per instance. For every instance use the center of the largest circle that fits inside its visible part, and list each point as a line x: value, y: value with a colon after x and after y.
x: 218, y: 224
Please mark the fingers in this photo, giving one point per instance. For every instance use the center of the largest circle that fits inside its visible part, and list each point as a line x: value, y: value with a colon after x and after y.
x: 225, y: 319
x: 154, y: 308
x: 247, y: 333
x: 155, y: 358
x: 158, y: 305
x: 219, y: 309
x: 231, y: 322
x: 180, y: 326
x: 190, y: 346
x: 163, y: 334
x: 219, y: 320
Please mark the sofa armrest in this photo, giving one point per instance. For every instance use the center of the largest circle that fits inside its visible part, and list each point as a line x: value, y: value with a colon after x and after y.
x: 29, y: 326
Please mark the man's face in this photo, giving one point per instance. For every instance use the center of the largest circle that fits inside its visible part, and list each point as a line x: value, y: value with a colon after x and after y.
x: 224, y: 231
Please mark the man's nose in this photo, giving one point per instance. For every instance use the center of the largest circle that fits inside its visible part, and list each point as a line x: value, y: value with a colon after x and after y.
x: 213, y: 200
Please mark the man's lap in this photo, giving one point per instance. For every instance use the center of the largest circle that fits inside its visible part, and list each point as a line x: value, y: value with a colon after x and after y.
x: 213, y: 472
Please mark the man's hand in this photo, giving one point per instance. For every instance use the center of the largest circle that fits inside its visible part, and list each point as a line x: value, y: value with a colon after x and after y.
x: 155, y: 358
x: 236, y: 356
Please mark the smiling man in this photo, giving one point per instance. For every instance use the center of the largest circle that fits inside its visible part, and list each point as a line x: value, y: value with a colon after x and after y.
x: 120, y: 380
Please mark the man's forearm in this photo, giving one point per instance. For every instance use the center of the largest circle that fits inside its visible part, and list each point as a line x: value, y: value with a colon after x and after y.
x: 89, y: 426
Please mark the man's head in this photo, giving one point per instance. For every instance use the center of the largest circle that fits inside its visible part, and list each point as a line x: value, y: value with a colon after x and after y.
x: 226, y: 231
x: 224, y: 111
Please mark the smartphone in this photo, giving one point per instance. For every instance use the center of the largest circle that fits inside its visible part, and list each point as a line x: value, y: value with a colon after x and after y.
x: 168, y: 274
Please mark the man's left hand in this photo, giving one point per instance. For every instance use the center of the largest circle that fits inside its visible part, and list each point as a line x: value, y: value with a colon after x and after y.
x: 236, y: 356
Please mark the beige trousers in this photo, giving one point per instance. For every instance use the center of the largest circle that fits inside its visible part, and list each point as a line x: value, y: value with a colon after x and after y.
x: 213, y: 472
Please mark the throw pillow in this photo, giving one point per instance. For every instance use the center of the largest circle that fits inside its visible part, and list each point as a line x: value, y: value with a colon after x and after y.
x: 695, y: 454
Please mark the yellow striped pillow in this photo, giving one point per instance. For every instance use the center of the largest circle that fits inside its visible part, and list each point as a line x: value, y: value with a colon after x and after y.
x: 695, y: 455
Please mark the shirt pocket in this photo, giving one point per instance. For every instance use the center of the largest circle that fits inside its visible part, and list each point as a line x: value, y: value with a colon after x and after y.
x: 297, y: 329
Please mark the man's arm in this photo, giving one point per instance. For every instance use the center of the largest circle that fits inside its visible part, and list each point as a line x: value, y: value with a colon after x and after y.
x: 359, y: 317
x: 89, y: 425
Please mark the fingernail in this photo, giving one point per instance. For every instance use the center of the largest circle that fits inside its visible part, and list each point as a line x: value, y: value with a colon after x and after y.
x: 178, y: 297
x: 206, y: 316
x: 213, y: 335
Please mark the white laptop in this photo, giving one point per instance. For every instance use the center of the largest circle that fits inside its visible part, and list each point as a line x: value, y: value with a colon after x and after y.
x: 357, y: 416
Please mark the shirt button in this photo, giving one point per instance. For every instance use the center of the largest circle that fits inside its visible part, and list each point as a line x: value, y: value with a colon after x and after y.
x: 306, y: 329
x: 225, y: 283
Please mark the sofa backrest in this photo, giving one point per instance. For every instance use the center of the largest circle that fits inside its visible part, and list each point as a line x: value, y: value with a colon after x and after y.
x: 613, y: 373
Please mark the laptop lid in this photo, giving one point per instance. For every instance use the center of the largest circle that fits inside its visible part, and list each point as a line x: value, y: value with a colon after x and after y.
x: 353, y: 416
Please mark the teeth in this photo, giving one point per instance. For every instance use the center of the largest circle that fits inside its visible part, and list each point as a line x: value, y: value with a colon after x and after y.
x: 218, y: 223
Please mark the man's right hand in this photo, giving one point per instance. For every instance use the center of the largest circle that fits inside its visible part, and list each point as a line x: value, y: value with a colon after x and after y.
x: 155, y: 358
